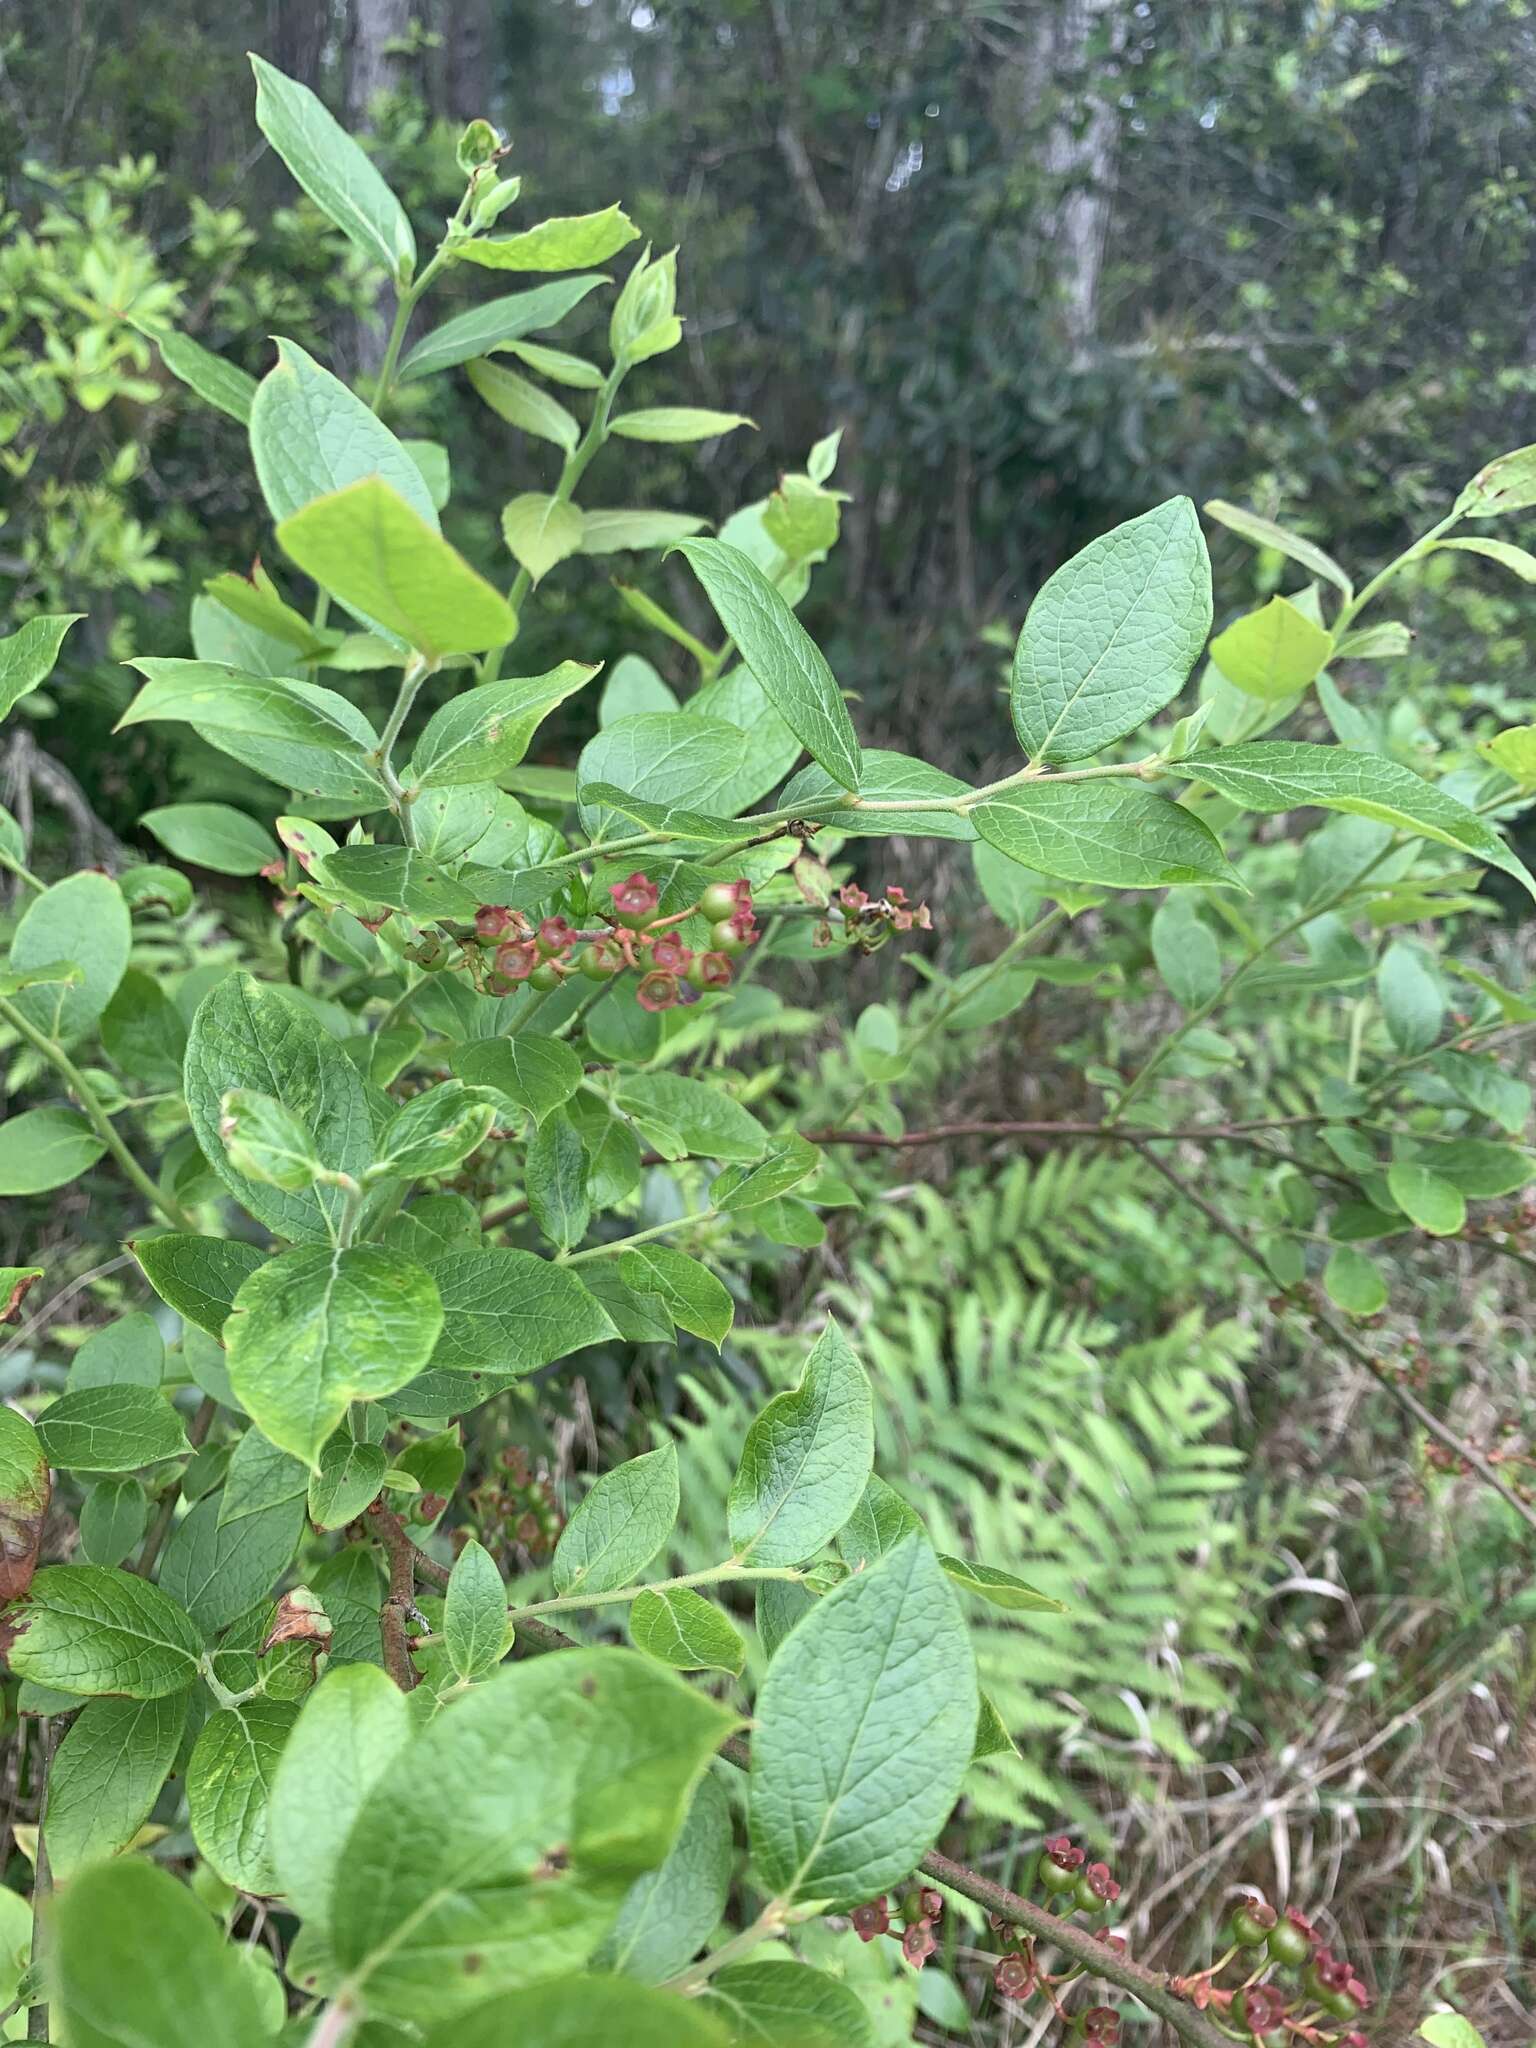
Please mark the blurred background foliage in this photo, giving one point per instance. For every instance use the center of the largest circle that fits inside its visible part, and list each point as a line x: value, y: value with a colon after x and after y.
x: 1043, y: 262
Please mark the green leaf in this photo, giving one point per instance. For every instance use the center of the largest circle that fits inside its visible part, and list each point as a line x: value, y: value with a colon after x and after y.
x: 397, y: 878
x: 480, y: 734
x: 788, y: 1161
x: 494, y: 325
x: 246, y: 1034
x: 786, y: 2004
x: 476, y: 1632
x: 433, y: 1132
x: 129, y: 1352
x: 369, y: 548
x: 1113, y: 833
x: 431, y: 458
x: 1354, y: 1282
x: 669, y: 758
x: 229, y: 1786
x: 318, y: 1327
x: 1507, y: 484
x: 1435, y: 1204
x: 113, y: 1518
x: 1411, y: 995
x: 1187, y: 955
x: 257, y: 600
x: 577, y: 2012
x: 199, y: 1277
x: 1272, y: 653
x: 670, y: 1913
x: 1483, y: 1085
x: 310, y: 435
x: 349, y: 1733
x: 1450, y: 2030
x: 567, y: 242
x: 217, y: 1569
x: 616, y: 530
x: 999, y: 1588
x: 885, y: 778
x: 699, y: 1116
x: 212, y: 836
x: 554, y: 1786
x: 350, y: 1478
x: 85, y: 1628
x: 680, y: 1628
x: 143, y: 1032
x: 781, y: 655
x: 1283, y: 775
x: 27, y: 656
x: 559, y: 367
x: 1112, y: 636
x: 1519, y: 561
x: 137, y: 1959
x: 512, y: 1311
x: 625, y: 1518
x: 1264, y: 533
x: 688, y: 1291
x: 1384, y: 641
x: 106, y: 1776
x: 541, y: 530
x: 1481, y: 1169
x: 878, y: 1523
x: 676, y: 423
x: 25, y: 1490
x: 45, y: 1148
x: 110, y: 1429
x: 333, y: 169
x: 524, y: 405
x: 805, y: 1460
x: 85, y: 921
x: 309, y: 739
x: 221, y: 384
x: 992, y: 1737
x: 16, y: 1283
x: 536, y: 1073
x: 1514, y: 751
x: 555, y: 1181
x: 864, y: 1728
x: 260, y: 1477
x: 266, y: 1142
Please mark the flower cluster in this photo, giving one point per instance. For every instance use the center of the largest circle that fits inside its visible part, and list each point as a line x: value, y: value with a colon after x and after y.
x: 1328, y: 1990
x: 867, y: 921
x: 917, y: 1909
x: 632, y: 940
x: 518, y: 1505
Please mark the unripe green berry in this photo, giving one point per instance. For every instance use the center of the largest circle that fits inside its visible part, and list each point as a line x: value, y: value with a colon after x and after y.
x: 597, y: 963
x: 718, y: 901
x: 544, y: 978
x: 723, y: 938
x: 1287, y: 1944
x: 1253, y: 1924
x: 1055, y: 1879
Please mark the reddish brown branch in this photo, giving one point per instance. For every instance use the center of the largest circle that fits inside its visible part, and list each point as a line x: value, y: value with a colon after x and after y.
x: 400, y: 1603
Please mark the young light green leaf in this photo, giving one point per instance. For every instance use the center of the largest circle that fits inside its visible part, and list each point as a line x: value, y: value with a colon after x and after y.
x: 229, y: 1786
x: 1272, y: 653
x: 669, y: 1914
x: 373, y: 551
x: 805, y: 1460
x: 1354, y: 1282
x: 1117, y: 834
x: 88, y: 1629
x: 110, y: 1429
x: 784, y: 2003
x: 616, y: 530
x: 45, y: 1148
x: 1514, y: 751
x: 333, y: 169
x: 25, y: 1490
x: 349, y: 1732
x: 1507, y: 484
x: 624, y: 1519
x: 541, y: 530
x: 215, y: 836
x: 878, y: 1523
x: 555, y: 1785
x: 676, y: 423
x: 999, y: 1588
x: 567, y: 242
x: 706, y: 1121
x: 433, y: 1132
x: 688, y: 1291
x: 788, y: 1161
x: 1384, y: 641
x: 557, y: 365
x: 82, y: 920
x: 680, y: 1628
x: 1112, y: 636
x: 864, y: 1729
x: 476, y: 1632
x: 511, y: 1311
x: 1450, y: 2030
x: 318, y: 1327
x: 524, y: 405
x: 218, y: 382
x: 266, y: 1142
x: 1434, y: 1203
x: 781, y: 655
x: 106, y: 1776
x: 27, y: 656
x: 480, y: 734
x: 137, y: 1959
x: 1519, y: 561
x: 1283, y: 775
x: 310, y: 435
x: 199, y: 1277
x: 992, y: 1737
x: 1264, y: 533
x: 495, y: 325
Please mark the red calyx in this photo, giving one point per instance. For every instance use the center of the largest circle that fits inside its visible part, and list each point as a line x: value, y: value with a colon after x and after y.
x: 635, y: 896
x: 1100, y: 1883
x: 918, y: 1944
x: 658, y: 992
x: 1013, y: 1976
x: 932, y: 1903
x: 1101, y: 2025
x: 516, y: 961
x: 871, y: 1920
x: 493, y: 920
x: 670, y: 955
x: 556, y: 935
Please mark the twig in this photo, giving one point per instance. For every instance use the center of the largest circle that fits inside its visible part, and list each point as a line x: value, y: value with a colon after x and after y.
x: 1104, y: 1134
x: 400, y: 1604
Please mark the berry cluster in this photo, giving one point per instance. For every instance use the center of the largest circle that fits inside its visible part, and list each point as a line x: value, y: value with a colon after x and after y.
x: 1328, y: 1990
x: 519, y: 1505
x: 867, y: 921
x: 633, y: 940
x: 917, y: 1909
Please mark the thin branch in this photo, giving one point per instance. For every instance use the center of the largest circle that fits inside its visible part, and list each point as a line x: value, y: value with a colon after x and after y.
x: 1103, y: 1134
x: 400, y: 1604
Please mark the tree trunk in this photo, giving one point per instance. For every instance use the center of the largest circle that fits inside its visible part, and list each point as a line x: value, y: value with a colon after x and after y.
x: 297, y: 32
x: 373, y: 66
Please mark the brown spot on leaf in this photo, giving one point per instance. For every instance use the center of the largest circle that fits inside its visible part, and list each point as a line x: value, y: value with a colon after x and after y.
x: 21, y: 1286
x: 298, y: 1617
x: 553, y: 1862
x: 471, y: 1963
x: 588, y: 1688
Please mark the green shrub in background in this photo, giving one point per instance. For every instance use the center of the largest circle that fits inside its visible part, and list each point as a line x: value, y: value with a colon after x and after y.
x: 489, y: 1092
